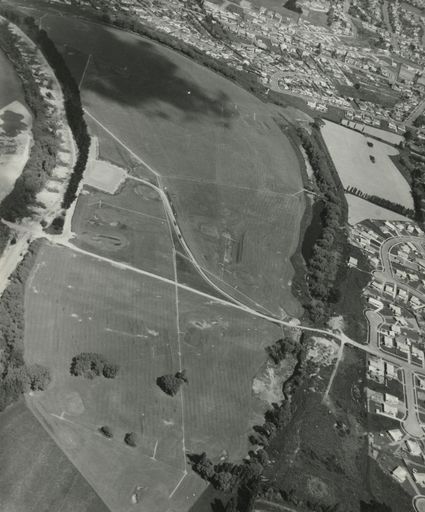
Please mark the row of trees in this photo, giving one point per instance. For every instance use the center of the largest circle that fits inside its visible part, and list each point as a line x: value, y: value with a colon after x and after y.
x: 16, y: 377
x: 91, y: 364
x: 326, y: 257
x: 380, y: 201
x: 44, y: 150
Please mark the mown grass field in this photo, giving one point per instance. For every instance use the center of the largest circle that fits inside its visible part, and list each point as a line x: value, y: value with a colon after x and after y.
x: 351, y: 155
x: 76, y: 303
x: 36, y: 476
x: 128, y: 226
x: 199, y: 131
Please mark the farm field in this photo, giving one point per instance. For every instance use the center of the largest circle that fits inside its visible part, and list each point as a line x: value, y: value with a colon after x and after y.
x: 350, y: 153
x: 41, y: 479
x: 129, y: 226
x: 198, y: 131
x: 359, y: 209
x: 133, y: 321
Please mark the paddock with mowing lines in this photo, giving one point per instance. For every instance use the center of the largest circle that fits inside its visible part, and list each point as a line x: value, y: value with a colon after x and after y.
x: 188, y: 123
x: 36, y: 475
x: 132, y: 320
x: 243, y: 237
x: 105, y: 176
x: 129, y: 226
x: 351, y: 155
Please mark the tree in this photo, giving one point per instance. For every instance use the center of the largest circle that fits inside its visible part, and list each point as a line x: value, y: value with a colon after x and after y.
x: 106, y: 431
x: 39, y: 377
x: 110, y: 370
x: 170, y: 384
x: 131, y: 439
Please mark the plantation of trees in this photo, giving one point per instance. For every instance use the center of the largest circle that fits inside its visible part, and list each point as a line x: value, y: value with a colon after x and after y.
x: 91, y: 364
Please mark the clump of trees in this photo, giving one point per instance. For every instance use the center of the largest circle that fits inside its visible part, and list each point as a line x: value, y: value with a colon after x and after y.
x: 170, y: 383
x: 91, y: 364
x: 281, y: 348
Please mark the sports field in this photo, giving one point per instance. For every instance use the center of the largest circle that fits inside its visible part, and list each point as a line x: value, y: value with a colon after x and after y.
x: 148, y: 329
x: 216, y: 147
x: 351, y: 153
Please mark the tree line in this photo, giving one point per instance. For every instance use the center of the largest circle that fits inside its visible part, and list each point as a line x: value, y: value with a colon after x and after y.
x: 43, y: 154
x: 322, y: 267
x: 16, y: 377
x: 73, y: 109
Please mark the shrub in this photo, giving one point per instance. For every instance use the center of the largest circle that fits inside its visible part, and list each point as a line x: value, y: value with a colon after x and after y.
x: 106, y: 431
x: 131, y: 439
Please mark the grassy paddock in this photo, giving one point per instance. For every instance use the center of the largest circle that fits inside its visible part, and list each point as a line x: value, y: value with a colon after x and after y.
x: 36, y: 474
x: 132, y: 321
x: 207, y: 137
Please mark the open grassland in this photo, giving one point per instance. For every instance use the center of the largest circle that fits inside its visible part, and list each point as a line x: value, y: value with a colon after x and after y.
x: 206, y: 137
x: 359, y: 209
x: 351, y: 155
x: 36, y: 476
x: 129, y: 226
x: 149, y: 329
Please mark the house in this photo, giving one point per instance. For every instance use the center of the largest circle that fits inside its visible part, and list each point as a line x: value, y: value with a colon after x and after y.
x: 395, y: 309
x: 402, y: 295
x: 388, y: 342
x: 419, y: 478
x: 376, y: 366
x: 378, y: 285
x: 415, y: 301
x: 396, y: 329
x: 390, y: 370
x: 390, y: 409
x: 413, y: 447
x: 389, y: 288
x: 402, y: 346
x: 395, y: 434
x: 400, y: 474
x: 390, y: 399
x: 353, y: 262
x: 375, y: 302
